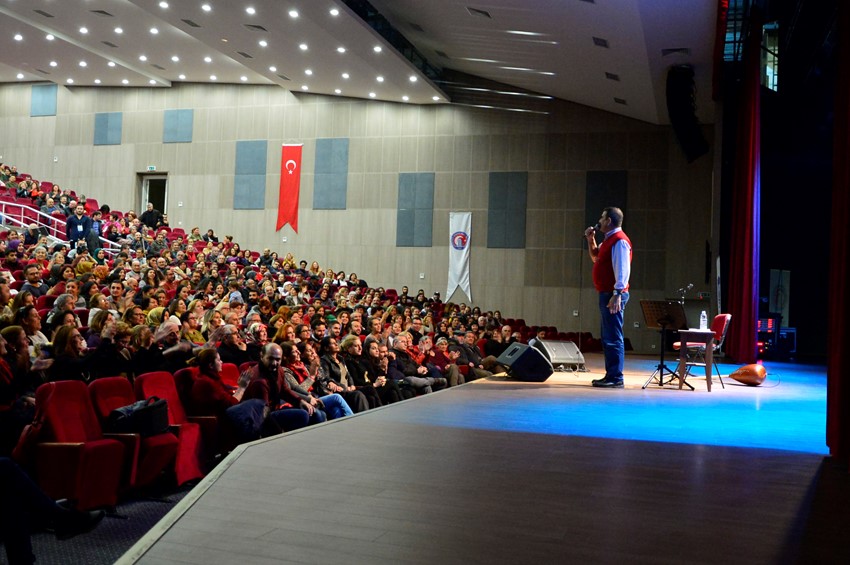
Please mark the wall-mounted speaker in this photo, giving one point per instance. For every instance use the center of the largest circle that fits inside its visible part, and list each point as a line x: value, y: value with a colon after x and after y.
x: 681, y: 108
x: 526, y: 363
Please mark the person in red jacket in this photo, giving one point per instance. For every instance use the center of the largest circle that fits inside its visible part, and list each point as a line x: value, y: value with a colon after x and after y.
x: 611, y: 269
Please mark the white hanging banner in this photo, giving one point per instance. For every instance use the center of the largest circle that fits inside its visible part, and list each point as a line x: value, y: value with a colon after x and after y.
x: 460, y: 226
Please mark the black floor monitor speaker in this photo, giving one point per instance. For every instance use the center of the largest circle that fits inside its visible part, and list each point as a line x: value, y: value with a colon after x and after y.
x: 526, y: 363
x: 564, y: 355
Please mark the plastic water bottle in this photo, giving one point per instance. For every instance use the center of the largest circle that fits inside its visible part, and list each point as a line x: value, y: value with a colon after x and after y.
x: 703, y: 321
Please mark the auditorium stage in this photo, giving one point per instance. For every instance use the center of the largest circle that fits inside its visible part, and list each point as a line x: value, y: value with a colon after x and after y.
x: 502, y: 471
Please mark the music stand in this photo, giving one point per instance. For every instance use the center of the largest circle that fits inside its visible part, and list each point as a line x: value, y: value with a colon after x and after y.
x: 663, y: 315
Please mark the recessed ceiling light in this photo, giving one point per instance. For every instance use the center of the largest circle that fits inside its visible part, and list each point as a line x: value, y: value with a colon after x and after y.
x: 69, y: 80
x: 336, y: 90
x: 49, y: 37
x: 224, y: 40
x: 372, y: 95
x: 53, y: 63
x: 20, y: 75
x: 208, y: 59
x: 293, y: 13
x: 264, y: 43
x: 516, y: 68
x: 206, y: 7
x: 413, y: 78
x: 151, y: 81
x: 405, y: 98
x: 345, y: 76
x: 83, y: 64
x: 125, y: 81
x: 303, y: 46
x: 377, y: 48
x: 97, y: 81
x: 143, y: 58
x: 250, y: 10
x: 181, y: 77
x: 305, y: 87
x: 475, y: 60
x: 243, y: 78
x: 111, y: 63
x: 84, y: 30
x: 273, y: 69
x: 163, y: 5
x: 530, y: 33
x: 175, y: 58
x: 334, y: 12
x: 119, y: 30
x: 154, y: 31
x: 379, y: 78
x: 308, y: 72
x: 435, y: 98
x: 19, y: 37
x: 213, y: 77
x: 340, y: 49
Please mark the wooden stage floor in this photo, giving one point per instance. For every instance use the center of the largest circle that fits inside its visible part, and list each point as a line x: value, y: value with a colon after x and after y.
x: 501, y: 471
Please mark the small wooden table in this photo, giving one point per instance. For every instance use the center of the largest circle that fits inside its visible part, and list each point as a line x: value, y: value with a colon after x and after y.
x: 700, y: 337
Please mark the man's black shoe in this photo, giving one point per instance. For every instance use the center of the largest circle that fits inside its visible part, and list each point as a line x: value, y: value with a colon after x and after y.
x: 606, y: 383
x: 70, y: 523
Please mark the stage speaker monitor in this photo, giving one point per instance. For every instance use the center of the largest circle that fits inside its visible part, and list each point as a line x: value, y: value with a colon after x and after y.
x: 526, y: 363
x: 562, y: 355
x: 681, y: 108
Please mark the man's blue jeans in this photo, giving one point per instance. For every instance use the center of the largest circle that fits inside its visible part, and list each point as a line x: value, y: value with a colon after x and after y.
x: 613, y: 345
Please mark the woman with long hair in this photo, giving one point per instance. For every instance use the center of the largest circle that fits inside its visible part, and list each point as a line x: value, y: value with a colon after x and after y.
x: 301, y: 380
x: 375, y: 366
x: 209, y: 396
x: 351, y: 353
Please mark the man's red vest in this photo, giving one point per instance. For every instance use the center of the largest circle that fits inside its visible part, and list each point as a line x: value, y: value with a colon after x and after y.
x: 603, y: 268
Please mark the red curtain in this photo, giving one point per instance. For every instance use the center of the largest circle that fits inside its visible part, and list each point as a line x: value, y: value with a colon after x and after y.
x: 741, y: 343
x: 838, y: 363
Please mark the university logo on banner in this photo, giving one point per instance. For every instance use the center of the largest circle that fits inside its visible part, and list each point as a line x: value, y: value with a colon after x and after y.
x: 460, y: 227
x: 290, y: 186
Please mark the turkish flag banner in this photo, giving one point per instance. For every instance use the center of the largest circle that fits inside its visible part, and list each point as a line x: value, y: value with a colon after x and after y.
x: 290, y: 186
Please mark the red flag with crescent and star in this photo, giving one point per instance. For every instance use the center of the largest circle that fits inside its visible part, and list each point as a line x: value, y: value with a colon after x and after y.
x: 290, y: 186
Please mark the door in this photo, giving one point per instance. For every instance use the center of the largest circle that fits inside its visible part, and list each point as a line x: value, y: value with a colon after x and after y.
x: 154, y: 188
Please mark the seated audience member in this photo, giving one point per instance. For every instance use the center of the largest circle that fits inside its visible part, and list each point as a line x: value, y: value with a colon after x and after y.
x: 301, y: 382
x: 34, y: 284
x: 232, y: 348
x: 404, y: 368
x: 351, y: 353
x: 28, y: 318
x: 266, y: 381
x: 209, y: 396
x: 71, y: 360
x: 334, y: 368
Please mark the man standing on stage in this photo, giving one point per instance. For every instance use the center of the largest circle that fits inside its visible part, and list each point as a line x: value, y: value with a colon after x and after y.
x: 611, y: 269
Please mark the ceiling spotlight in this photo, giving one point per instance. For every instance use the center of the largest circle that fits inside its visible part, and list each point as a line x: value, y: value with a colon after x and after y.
x: 20, y: 75
x: 293, y: 13
x: 69, y: 80
x: 84, y: 30
x: 49, y: 37
x: 303, y: 46
x: 377, y: 48
x: 334, y: 12
x: 97, y: 81
x: 405, y: 98
x: 206, y: 7
x: 154, y: 31
x: 308, y: 72
x: 336, y: 90
x: 346, y: 76
x: 250, y: 10
x: 175, y: 58
x: 125, y: 81
x: 379, y: 78
x: 143, y: 58
x: 151, y: 81
x: 213, y: 77
x: 340, y: 49
x: 273, y: 69
x: 207, y: 59
x: 305, y: 87
x: 19, y: 37
x: 53, y: 63
x: 435, y: 98
x: 181, y: 77
x: 119, y: 30
x: 413, y: 78
x: 264, y: 43
x: 163, y: 5
x: 110, y: 64
x: 372, y: 95
x: 243, y: 78
x: 83, y: 64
